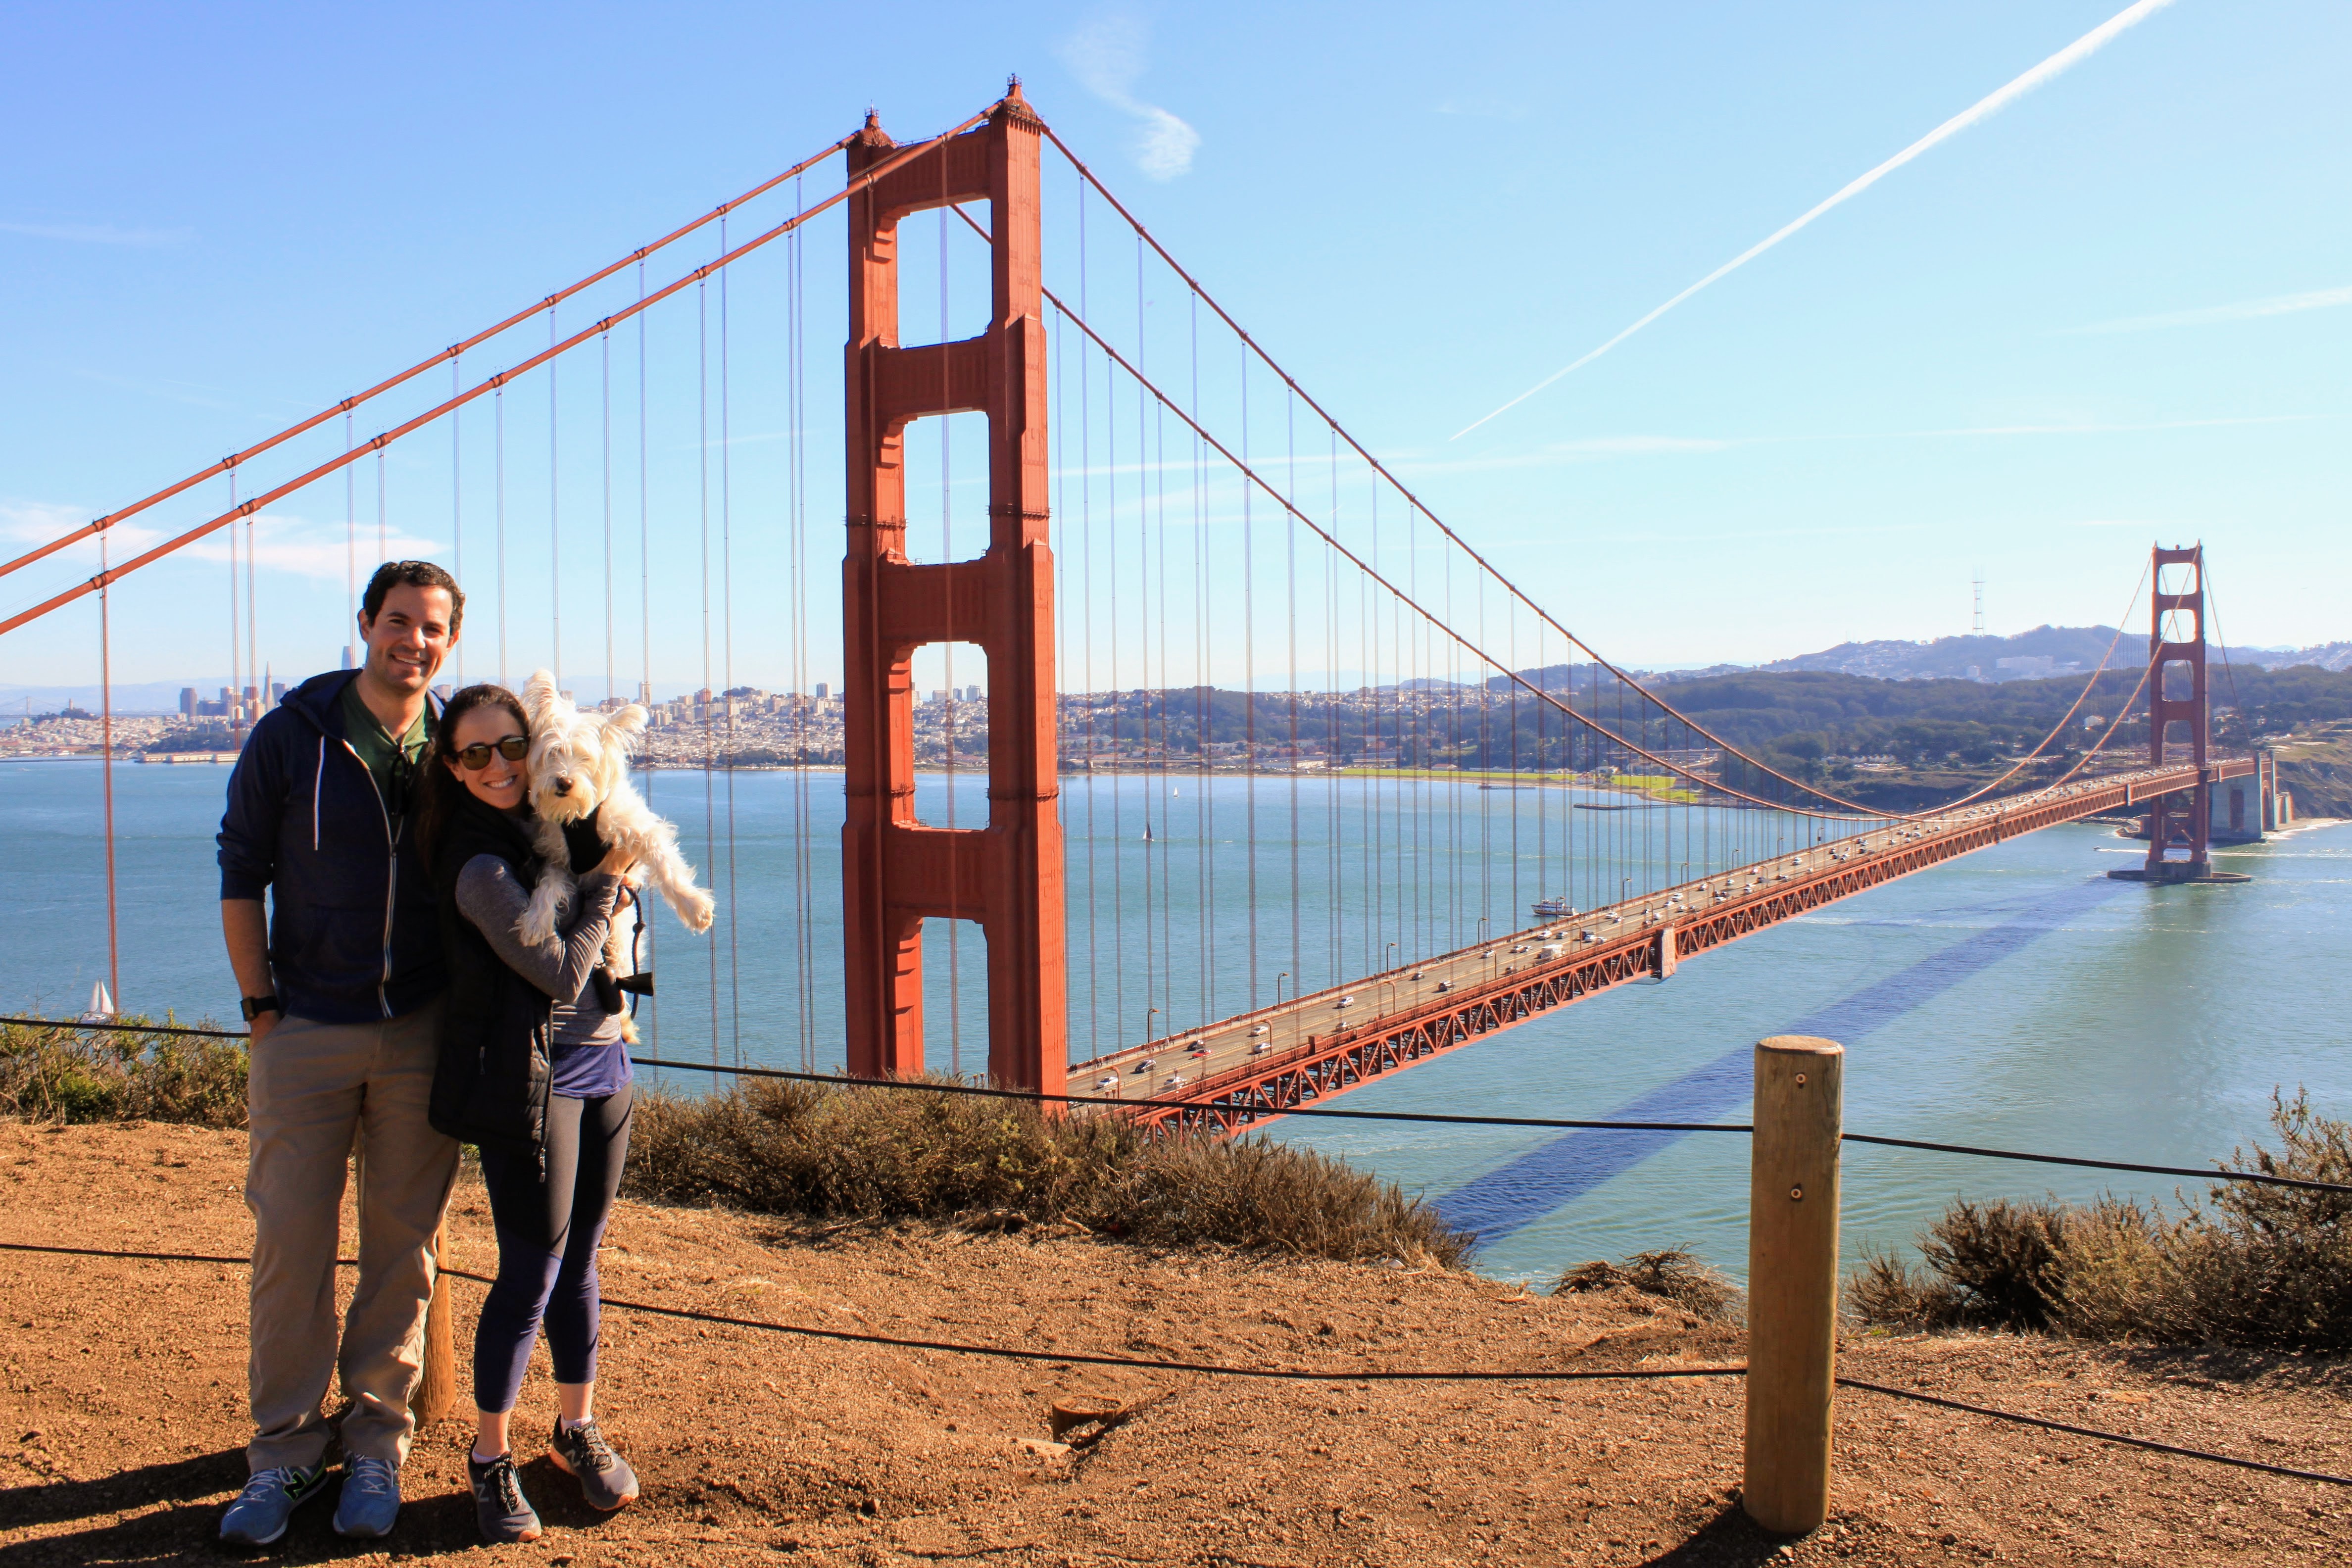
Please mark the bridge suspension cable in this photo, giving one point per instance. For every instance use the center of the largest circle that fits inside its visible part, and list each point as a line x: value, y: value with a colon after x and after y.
x: 1486, y: 566
x: 379, y: 442
x: 451, y: 354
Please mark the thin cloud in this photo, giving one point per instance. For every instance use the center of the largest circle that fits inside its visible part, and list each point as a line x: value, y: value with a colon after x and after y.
x: 1983, y: 109
x: 317, y: 551
x: 98, y: 234
x: 2079, y: 428
x: 37, y: 522
x: 1606, y: 446
x: 32, y: 523
x: 2243, y: 311
x: 1107, y: 56
x: 188, y: 392
x: 1637, y: 446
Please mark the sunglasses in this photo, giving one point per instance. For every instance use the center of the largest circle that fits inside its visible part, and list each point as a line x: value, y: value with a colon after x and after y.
x: 514, y: 749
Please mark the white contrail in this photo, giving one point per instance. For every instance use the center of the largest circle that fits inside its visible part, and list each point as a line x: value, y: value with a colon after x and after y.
x: 1984, y: 108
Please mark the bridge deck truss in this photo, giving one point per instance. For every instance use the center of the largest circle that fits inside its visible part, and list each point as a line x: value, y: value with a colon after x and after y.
x: 1470, y: 995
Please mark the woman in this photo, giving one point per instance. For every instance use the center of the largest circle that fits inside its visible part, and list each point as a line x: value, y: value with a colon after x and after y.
x: 534, y: 1071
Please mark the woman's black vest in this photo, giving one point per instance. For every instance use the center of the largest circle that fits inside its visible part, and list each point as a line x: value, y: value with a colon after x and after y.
x: 491, y: 1083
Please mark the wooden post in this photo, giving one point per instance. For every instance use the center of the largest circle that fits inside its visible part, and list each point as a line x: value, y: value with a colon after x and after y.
x: 1792, y: 1257
x: 436, y: 1388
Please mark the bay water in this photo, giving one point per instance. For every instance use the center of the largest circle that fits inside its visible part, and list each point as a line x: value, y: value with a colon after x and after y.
x: 2014, y: 998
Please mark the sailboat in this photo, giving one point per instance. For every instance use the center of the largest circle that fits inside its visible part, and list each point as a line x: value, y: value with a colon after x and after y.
x: 101, y: 1004
x: 1147, y: 833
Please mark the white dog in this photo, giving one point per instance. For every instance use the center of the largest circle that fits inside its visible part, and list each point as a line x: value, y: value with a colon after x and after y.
x: 579, y: 763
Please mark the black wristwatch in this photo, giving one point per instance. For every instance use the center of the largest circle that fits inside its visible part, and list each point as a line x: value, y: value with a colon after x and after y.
x: 254, y: 1007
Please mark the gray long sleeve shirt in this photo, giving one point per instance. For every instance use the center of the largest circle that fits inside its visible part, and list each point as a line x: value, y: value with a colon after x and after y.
x: 489, y: 895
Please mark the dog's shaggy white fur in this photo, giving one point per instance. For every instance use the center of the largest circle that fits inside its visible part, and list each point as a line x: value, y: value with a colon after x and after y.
x: 579, y: 763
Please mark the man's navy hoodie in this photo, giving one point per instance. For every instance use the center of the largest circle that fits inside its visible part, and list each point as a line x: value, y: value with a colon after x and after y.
x: 354, y: 933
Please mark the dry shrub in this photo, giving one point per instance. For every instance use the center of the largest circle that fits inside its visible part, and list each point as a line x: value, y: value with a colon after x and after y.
x: 2255, y: 1266
x: 51, y: 1072
x: 2002, y: 1257
x: 824, y: 1151
x: 1886, y: 1292
x: 1673, y: 1273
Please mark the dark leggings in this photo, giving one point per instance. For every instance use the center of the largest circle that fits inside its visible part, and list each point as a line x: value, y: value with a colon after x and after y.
x: 548, y: 1236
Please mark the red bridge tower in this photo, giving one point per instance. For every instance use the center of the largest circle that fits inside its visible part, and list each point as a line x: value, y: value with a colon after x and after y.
x: 2175, y: 695
x: 895, y: 870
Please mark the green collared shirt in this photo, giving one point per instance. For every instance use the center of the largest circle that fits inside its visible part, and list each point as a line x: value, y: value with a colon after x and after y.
x: 376, y: 746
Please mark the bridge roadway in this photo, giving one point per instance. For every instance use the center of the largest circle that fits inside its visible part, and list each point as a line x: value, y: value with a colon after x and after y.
x: 1250, y: 1068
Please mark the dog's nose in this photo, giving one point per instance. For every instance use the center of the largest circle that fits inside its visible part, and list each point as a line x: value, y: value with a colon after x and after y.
x: 563, y: 786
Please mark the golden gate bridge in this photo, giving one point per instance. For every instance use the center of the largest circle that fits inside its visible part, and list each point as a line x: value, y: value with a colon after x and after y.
x: 1167, y: 507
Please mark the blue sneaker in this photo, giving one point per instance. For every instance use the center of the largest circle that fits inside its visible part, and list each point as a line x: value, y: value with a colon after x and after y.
x: 260, y: 1515
x: 371, y: 1499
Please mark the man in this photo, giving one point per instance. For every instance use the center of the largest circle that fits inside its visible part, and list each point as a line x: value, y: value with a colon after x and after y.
x: 342, y: 989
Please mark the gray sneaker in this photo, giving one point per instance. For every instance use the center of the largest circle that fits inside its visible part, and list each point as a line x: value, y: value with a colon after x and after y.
x: 606, y: 1479
x: 500, y: 1507
x: 258, y: 1516
x: 371, y: 1499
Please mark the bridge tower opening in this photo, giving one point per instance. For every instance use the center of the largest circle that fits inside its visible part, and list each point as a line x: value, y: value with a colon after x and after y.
x: 895, y: 872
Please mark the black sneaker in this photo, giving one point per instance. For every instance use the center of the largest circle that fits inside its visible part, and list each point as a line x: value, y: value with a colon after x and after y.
x: 500, y: 1507
x: 606, y: 1478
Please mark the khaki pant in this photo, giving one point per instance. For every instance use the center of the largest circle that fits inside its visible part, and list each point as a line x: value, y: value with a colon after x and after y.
x: 316, y: 1091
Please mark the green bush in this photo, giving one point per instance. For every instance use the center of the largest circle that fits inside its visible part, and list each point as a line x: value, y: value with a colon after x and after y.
x: 824, y: 1150
x: 54, y: 1072
x: 2255, y: 1266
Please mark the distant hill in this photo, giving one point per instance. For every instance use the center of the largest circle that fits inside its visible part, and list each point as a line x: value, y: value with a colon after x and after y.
x: 2037, y: 655
x: 2336, y: 656
x: 2029, y: 656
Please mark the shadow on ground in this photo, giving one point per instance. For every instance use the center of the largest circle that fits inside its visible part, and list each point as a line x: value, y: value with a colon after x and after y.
x: 197, y: 1490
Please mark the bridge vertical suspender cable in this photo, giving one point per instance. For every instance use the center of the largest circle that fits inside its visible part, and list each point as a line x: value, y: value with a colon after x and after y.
x: 604, y: 411
x: 707, y: 700
x: 1204, y: 805
x: 1367, y: 633
x: 499, y: 465
x: 352, y: 535
x: 1290, y: 633
x: 1117, y: 774
x: 257, y: 703
x: 554, y: 506
x: 1167, y: 844
x: 233, y: 697
x: 106, y: 773
x: 457, y: 505
x: 1249, y: 688
x: 1152, y: 957
x: 727, y: 649
x: 1331, y: 656
x: 796, y: 406
x: 644, y: 625
x: 1087, y: 631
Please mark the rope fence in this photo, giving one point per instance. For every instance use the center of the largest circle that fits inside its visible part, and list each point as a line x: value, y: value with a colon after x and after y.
x: 2257, y: 1178
x: 1288, y: 1374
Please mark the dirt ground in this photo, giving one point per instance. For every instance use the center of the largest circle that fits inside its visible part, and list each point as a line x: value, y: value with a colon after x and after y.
x: 121, y: 1390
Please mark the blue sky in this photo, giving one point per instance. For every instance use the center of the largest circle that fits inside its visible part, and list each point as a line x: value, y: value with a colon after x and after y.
x: 2120, y: 307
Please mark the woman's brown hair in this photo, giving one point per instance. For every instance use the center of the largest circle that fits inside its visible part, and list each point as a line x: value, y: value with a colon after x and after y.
x: 441, y: 791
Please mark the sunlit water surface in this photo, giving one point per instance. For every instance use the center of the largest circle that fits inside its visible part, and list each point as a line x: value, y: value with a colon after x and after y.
x: 2012, y: 998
